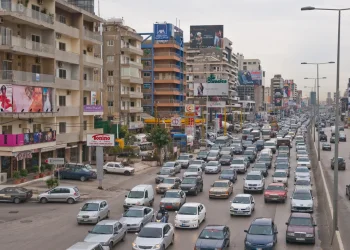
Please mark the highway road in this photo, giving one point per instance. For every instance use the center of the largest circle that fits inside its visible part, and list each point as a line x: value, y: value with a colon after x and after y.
x: 54, y: 227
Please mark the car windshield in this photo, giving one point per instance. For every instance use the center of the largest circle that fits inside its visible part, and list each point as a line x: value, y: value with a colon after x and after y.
x: 227, y: 171
x: 269, y: 144
x: 196, y: 162
x: 302, y: 196
x: 253, y: 177
x: 90, y: 207
x: 169, y: 181
x: 302, y: 170
x: 300, y: 221
x: 188, y: 210
x: 264, y: 159
x: 212, y: 234
x: 203, y: 153
x: 212, y: 163
x: 183, y: 157
x: 213, y: 154
x: 102, y: 229
x: 303, y: 159
x: 247, y: 142
x: 241, y: 200
x: 136, y: 194
x: 226, y: 157
x: 283, y: 155
x: 282, y: 166
x: 133, y: 213
x: 257, y: 165
x: 302, y: 183
x: 149, y: 232
x: 192, y: 170
x: 169, y: 164
x: 237, y: 161
x: 226, y: 149
x: 275, y: 187
x: 302, y: 152
x: 280, y: 174
x: 164, y: 171
x: 220, y: 184
x: 172, y: 195
x: 189, y: 181
x: 260, y: 230
x: 248, y: 152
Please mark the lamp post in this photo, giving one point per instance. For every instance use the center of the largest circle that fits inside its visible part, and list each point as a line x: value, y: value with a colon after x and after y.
x: 336, y: 146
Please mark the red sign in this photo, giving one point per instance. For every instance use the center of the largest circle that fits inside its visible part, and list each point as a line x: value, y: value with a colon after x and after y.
x: 191, y: 121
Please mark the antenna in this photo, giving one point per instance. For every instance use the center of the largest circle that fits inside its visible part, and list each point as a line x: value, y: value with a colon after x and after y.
x: 179, y: 23
x: 99, y: 8
x: 176, y: 22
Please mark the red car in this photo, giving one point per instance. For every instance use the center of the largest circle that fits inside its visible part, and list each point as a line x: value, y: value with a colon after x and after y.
x: 275, y: 192
x: 346, y: 125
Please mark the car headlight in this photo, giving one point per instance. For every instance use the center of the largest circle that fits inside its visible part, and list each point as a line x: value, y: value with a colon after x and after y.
x: 309, y: 235
x: 105, y: 243
x: 194, y: 220
x: 134, y: 245
x: 248, y: 243
x: 176, y: 203
x: 156, y: 246
x: 269, y: 244
x: 192, y: 188
x: 157, y: 187
x: 290, y: 234
x: 310, y: 205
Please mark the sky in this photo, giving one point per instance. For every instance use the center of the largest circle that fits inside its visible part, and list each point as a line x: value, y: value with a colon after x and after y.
x: 275, y: 31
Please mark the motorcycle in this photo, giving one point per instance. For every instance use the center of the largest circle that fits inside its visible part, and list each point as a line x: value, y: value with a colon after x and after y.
x: 162, y: 218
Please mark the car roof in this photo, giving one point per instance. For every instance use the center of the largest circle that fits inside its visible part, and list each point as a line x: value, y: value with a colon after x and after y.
x: 262, y: 221
x: 254, y: 172
x: 107, y: 222
x: 301, y: 215
x: 222, y: 181
x: 83, y: 245
x: 171, y: 178
x: 140, y: 187
x: 191, y: 204
x: 276, y: 184
x: 94, y: 201
x: 155, y: 224
x: 137, y: 208
x: 302, y: 191
x: 114, y: 162
x: 219, y: 227
x: 173, y: 190
x: 65, y: 186
x: 173, y: 162
x: 243, y: 195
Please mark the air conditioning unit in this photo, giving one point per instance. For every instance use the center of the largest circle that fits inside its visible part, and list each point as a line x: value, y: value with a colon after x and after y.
x: 3, y: 178
x: 60, y: 64
x: 40, y: 2
x: 58, y: 35
x: 89, y: 49
x: 1, y: 20
x: 68, y: 92
x: 38, y: 60
x: 9, y: 57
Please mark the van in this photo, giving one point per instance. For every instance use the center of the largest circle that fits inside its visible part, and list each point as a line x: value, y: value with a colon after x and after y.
x: 141, y: 195
x: 266, y: 151
x: 87, y: 246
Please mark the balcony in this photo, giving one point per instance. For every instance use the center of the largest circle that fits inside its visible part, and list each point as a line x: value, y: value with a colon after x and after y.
x: 125, y: 94
x: 166, y: 56
x: 136, y: 125
x: 21, y: 14
x: 167, y: 44
x: 66, y: 29
x: 133, y: 94
x: 168, y: 103
x: 94, y: 37
x: 131, y: 79
x: 68, y: 111
x: 130, y: 49
x: 93, y: 110
x: 15, y: 140
x: 90, y: 85
x: 67, y: 56
x: 68, y: 84
x: 166, y: 68
x: 169, y: 79
x: 23, y: 78
x: 135, y: 109
x: 133, y: 64
x: 93, y: 61
x: 26, y: 47
x: 167, y: 91
x: 146, y: 102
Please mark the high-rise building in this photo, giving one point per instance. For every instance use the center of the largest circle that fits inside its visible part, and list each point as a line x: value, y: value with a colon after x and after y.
x: 294, y: 88
x: 163, y: 73
x: 329, y: 100
x: 276, y: 83
x: 122, y: 74
x: 51, y: 63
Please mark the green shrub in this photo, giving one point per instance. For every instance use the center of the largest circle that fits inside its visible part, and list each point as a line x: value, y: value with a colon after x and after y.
x: 23, y: 172
x: 16, y: 175
x: 36, y: 169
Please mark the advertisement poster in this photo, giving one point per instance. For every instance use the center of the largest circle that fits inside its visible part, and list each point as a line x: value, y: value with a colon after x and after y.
x: 39, y: 137
x: 286, y: 92
x: 93, y: 97
x: 278, y: 97
x: 210, y: 89
x: 47, y: 99
x: 6, y: 98
x: 27, y: 98
x: 246, y: 77
x: 206, y: 36
x: 198, y: 111
x: 163, y: 31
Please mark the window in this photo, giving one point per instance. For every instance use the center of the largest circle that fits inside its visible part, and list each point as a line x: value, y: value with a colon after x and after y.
x: 62, y: 73
x: 110, y: 43
x: 249, y: 62
x: 110, y: 72
x: 110, y: 58
x: 110, y: 103
x: 110, y: 88
x: 85, y: 125
x: 146, y: 74
x: 84, y: 100
x: 7, y: 129
x: 132, y: 104
x: 62, y: 19
x: 254, y: 62
x: 62, y: 46
x: 62, y: 127
x: 244, y: 67
x: 36, y: 127
x: 62, y: 100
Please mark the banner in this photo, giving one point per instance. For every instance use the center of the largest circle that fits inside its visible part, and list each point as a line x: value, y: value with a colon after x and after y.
x: 206, y: 36
x: 32, y: 99
x: 313, y: 98
x: 198, y: 111
x: 6, y: 98
x: 93, y: 97
x: 246, y: 77
x: 218, y: 104
x: 278, y: 96
x: 286, y: 92
x: 163, y: 31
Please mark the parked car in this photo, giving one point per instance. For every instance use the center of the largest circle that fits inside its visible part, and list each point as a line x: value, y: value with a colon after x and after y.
x: 242, y: 204
x: 75, y: 173
x: 136, y: 217
x: 15, y: 194
x: 168, y: 183
x: 221, y: 189
x: 228, y: 174
x: 190, y: 215
x: 117, y: 168
x: 173, y: 199
x: 262, y: 233
x: 69, y: 194
x: 93, y: 212
x: 275, y: 192
x: 301, y: 228
x: 341, y: 163
x: 213, y: 237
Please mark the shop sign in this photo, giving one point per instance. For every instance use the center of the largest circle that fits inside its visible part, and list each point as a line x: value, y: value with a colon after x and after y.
x: 23, y: 155
x: 100, y: 140
x: 176, y: 121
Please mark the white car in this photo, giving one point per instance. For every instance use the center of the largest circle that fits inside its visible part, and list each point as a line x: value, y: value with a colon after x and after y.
x: 304, y: 162
x: 117, y: 168
x: 303, y: 184
x: 193, y: 171
x: 302, y: 154
x: 302, y: 172
x: 280, y: 176
x: 93, y: 212
x: 190, y: 215
x: 242, y: 204
x: 254, y: 181
x: 302, y: 201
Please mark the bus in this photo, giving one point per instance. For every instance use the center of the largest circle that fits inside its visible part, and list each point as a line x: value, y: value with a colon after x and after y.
x: 266, y: 134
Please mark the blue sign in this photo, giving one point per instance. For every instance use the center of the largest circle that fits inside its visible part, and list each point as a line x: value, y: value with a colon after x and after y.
x: 146, y: 86
x: 163, y: 31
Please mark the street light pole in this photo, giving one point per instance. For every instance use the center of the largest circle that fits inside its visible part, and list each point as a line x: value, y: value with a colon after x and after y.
x: 318, y: 115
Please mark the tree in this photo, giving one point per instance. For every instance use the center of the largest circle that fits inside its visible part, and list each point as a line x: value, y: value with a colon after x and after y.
x: 160, y: 138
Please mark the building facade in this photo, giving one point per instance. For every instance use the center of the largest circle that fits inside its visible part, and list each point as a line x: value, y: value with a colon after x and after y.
x: 122, y: 67
x: 276, y: 83
x: 329, y: 98
x: 51, y: 62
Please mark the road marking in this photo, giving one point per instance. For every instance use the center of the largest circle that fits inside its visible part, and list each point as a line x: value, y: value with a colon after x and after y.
x: 337, y: 233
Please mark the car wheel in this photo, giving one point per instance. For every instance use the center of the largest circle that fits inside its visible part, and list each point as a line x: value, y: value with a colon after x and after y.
x: 16, y: 200
x: 107, y: 216
x: 82, y: 178
x: 70, y: 201
x: 127, y: 173
x: 172, y: 240
x: 123, y: 239
x: 265, y: 200
x: 43, y: 200
x: 196, y: 192
x: 110, y: 245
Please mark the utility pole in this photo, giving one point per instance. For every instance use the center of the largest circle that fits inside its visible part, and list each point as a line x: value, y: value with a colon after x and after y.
x: 225, y: 127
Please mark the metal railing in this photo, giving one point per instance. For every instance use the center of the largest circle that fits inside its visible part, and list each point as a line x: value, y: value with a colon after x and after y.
x: 166, y: 101
x: 134, y: 94
x: 166, y: 54
x: 93, y: 35
x: 22, y: 10
x: 23, y: 76
x: 167, y: 66
x: 18, y: 42
x: 90, y: 84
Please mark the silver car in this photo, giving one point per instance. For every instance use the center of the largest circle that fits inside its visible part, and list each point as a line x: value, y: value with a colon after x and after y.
x: 173, y: 199
x: 69, y: 194
x: 93, y: 211
x: 136, y: 217
x: 302, y: 201
x: 302, y: 172
x: 173, y: 164
x: 213, y: 155
x: 213, y: 167
x: 154, y: 235
x: 201, y: 163
x: 107, y: 232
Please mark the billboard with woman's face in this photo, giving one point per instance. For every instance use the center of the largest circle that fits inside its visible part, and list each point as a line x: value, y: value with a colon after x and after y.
x: 6, y: 98
x: 32, y: 99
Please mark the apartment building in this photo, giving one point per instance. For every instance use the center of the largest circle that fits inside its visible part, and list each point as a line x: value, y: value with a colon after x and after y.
x: 276, y: 83
x: 267, y: 95
x: 122, y: 69
x: 51, y: 62
x: 163, y: 72
x: 294, y: 89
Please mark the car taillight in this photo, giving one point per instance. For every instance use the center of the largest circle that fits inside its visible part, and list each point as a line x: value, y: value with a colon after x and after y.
x: 75, y: 194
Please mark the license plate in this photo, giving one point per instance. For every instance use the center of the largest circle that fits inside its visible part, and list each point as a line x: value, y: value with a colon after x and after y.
x: 300, y: 239
x: 274, y: 199
x: 184, y: 225
x: 258, y: 248
x: 85, y: 219
x: 168, y: 207
x: 186, y: 191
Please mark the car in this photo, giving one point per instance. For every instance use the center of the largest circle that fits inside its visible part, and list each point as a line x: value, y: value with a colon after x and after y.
x: 265, y: 159
x: 323, y: 138
x: 282, y: 160
x: 192, y: 185
x: 168, y: 183
x: 184, y: 160
x: 225, y: 160
x: 326, y: 147
x: 214, y: 155
x: 140, y: 195
x: 221, y: 189
x: 283, y: 166
x: 164, y: 173
x: 190, y: 215
x: 88, y: 246
x: 262, y: 234
x: 213, y: 237
x: 250, y: 154
x: 254, y: 181
x: 242, y: 204
x: 332, y: 140
x: 173, y: 199
x: 347, y: 192
x: 272, y: 145
x: 303, y: 184
x: 238, y: 150
x: 73, y: 172
x: 117, y: 168
x: 302, y: 172
x: 69, y: 194
x: 250, y: 138
x: 228, y: 174
x: 206, y: 142
x: 260, y: 144
x: 283, y: 154
x: 302, y: 154
x: 275, y: 192
x: 154, y: 235
x: 202, y: 155
x: 342, y: 137
x: 301, y: 228
x: 341, y: 163
x: 302, y: 201
x: 107, y: 232
x: 280, y: 176
x: 300, y: 147
x: 239, y: 164
x: 173, y: 164
x: 213, y: 167
x: 15, y: 194
x: 261, y: 166
x: 136, y: 217
x: 198, y: 163
x: 193, y: 171
x: 246, y: 144
x: 226, y: 151
x: 93, y: 212
x: 304, y: 162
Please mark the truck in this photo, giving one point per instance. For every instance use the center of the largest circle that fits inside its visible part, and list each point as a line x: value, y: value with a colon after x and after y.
x: 284, y: 142
x: 266, y: 134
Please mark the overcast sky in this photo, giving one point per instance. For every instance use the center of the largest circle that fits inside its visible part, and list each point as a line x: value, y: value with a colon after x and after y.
x: 274, y: 31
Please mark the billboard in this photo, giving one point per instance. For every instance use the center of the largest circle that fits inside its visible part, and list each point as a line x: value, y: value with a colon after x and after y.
x: 278, y: 96
x: 313, y: 98
x: 39, y: 137
x: 286, y: 89
x: 6, y: 98
x: 210, y: 89
x: 216, y: 104
x: 100, y: 140
x: 246, y: 77
x: 163, y: 31
x: 206, y: 36
x: 32, y: 99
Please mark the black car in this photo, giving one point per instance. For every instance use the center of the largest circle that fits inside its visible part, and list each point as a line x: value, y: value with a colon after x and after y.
x: 250, y: 154
x: 75, y: 173
x: 326, y: 147
x: 213, y: 237
x: 332, y: 140
x: 260, y: 144
x: 192, y: 185
x: 225, y: 160
x: 261, y: 166
x: 202, y: 155
x: 323, y: 138
x: 238, y: 150
x: 266, y: 160
x: 228, y: 174
x: 15, y: 194
x: 341, y: 163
